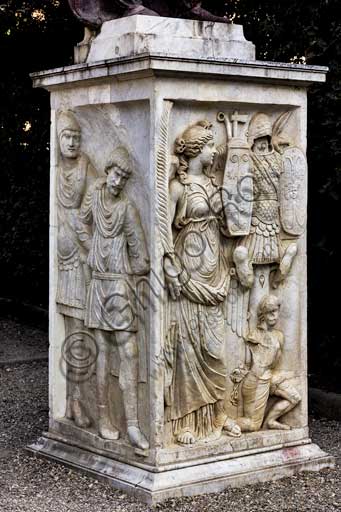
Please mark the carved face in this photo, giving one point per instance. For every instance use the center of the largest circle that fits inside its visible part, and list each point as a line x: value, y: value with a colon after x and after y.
x: 261, y: 145
x: 271, y: 316
x: 116, y: 180
x: 207, y: 154
x: 70, y: 142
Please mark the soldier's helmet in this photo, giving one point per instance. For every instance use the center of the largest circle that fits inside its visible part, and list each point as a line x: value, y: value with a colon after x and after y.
x: 260, y: 126
x: 66, y: 120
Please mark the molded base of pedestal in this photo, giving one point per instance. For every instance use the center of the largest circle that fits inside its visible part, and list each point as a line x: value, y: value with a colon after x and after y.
x: 154, y: 487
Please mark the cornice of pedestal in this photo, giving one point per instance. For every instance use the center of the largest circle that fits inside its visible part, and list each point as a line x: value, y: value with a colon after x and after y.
x: 139, y: 46
x: 146, y: 64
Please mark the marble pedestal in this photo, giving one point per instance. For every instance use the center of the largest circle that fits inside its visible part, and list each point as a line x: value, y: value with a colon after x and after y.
x: 144, y: 82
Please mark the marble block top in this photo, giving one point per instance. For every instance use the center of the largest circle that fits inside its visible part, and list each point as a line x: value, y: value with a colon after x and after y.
x: 144, y: 45
x: 134, y: 35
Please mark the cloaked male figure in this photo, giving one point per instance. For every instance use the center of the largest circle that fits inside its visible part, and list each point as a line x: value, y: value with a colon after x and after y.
x: 117, y: 254
x: 75, y: 174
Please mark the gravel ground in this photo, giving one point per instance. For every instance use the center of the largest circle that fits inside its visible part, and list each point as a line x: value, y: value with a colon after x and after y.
x: 18, y: 340
x: 29, y: 484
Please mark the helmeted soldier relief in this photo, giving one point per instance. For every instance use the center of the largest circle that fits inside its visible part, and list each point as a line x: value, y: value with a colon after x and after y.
x: 117, y: 254
x: 264, y: 244
x: 264, y: 256
x: 74, y: 176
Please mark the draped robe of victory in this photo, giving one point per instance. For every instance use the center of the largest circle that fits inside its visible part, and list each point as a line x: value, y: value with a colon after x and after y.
x: 196, y: 342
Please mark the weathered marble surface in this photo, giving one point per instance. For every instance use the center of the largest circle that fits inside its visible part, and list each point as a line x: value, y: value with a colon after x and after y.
x: 204, y: 246
x: 154, y: 487
x: 170, y: 36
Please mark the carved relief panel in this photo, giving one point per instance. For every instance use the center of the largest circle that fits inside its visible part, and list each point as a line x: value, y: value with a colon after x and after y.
x: 102, y: 255
x: 230, y: 208
x: 232, y: 203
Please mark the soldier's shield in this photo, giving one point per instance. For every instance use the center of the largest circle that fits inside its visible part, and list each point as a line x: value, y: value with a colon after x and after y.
x: 293, y: 191
x: 237, y: 192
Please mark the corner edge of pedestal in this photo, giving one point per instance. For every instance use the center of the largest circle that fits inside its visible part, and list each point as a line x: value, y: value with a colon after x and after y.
x: 155, y: 487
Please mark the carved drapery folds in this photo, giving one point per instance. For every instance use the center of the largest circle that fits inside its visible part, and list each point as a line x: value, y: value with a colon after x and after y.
x: 260, y: 378
x: 117, y: 253
x: 74, y: 175
x: 101, y: 251
x: 236, y: 238
x: 198, y: 281
x: 230, y: 206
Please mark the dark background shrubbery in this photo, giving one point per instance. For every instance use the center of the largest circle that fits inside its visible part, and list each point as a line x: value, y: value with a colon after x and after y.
x: 296, y: 31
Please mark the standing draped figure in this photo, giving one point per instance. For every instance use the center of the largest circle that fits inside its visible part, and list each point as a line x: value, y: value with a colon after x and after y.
x: 198, y: 280
x: 74, y: 176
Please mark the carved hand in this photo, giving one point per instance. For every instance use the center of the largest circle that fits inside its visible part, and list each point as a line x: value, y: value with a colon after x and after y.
x: 141, y: 267
x: 172, y: 273
x: 238, y: 374
x: 279, y: 143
